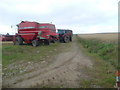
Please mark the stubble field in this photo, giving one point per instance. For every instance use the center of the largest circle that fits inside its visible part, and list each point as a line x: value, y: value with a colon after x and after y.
x: 112, y: 37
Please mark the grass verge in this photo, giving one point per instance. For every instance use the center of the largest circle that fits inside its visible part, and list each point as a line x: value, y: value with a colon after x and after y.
x: 104, y: 56
x: 12, y: 53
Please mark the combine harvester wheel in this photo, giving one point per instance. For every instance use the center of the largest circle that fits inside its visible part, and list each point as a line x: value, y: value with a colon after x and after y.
x: 18, y: 41
x: 35, y: 43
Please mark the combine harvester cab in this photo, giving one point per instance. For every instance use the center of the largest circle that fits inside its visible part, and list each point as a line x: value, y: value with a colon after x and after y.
x: 65, y: 35
x: 35, y: 33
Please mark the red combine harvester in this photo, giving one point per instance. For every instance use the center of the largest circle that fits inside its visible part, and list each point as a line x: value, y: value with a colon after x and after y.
x: 35, y: 33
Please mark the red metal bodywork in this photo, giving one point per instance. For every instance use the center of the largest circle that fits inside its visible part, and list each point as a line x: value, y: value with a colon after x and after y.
x: 32, y: 30
x: 6, y: 37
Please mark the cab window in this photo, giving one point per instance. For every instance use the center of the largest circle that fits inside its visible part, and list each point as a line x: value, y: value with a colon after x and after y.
x: 43, y: 26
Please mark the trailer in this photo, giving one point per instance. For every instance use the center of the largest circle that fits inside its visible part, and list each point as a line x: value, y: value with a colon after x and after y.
x: 35, y: 33
x: 6, y: 37
x: 65, y: 35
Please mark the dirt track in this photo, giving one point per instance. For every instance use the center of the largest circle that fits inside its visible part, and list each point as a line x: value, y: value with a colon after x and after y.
x: 66, y: 70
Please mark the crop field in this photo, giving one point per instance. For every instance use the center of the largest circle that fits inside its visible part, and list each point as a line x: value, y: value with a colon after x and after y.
x: 112, y: 37
x: 7, y: 42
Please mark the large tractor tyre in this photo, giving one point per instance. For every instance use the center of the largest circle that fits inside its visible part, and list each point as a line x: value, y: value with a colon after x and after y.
x: 18, y: 40
x: 35, y: 43
x: 70, y: 39
x: 47, y: 42
x: 66, y: 39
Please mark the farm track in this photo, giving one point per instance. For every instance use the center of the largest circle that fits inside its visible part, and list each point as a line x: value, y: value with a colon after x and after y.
x: 65, y: 71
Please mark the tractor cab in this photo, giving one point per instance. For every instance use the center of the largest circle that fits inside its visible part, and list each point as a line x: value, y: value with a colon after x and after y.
x: 63, y: 31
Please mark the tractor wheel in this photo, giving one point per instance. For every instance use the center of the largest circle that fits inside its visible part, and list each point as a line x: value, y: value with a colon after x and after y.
x: 66, y: 39
x: 18, y: 41
x: 35, y: 43
x: 71, y: 39
x: 47, y: 42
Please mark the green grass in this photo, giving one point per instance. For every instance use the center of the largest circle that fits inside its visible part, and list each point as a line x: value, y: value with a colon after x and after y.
x: 104, y: 57
x: 103, y: 50
x: 101, y: 75
x: 15, y: 58
x: 13, y: 53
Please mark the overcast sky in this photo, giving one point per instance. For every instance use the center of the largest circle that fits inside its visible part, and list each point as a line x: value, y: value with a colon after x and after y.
x: 81, y: 16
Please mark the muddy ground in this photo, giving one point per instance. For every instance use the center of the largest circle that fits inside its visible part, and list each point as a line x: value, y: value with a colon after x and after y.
x: 63, y: 70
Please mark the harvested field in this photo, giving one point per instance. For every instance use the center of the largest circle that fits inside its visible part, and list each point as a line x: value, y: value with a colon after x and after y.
x: 6, y: 43
x: 112, y: 37
x: 59, y: 65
